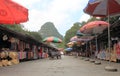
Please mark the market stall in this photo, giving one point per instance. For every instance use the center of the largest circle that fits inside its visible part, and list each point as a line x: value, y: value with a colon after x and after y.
x: 16, y: 47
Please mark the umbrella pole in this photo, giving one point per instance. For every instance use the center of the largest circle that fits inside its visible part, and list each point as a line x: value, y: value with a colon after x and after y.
x: 96, y: 61
x: 96, y: 43
x: 109, y: 67
x: 109, y: 50
x: 86, y: 47
x: 90, y: 49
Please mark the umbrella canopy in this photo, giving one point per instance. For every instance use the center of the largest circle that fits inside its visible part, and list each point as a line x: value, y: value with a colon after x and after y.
x: 12, y: 13
x: 70, y: 44
x: 94, y: 27
x: 79, y: 34
x: 68, y: 49
x: 75, y: 38
x: 87, y: 37
x: 52, y: 39
x: 103, y: 8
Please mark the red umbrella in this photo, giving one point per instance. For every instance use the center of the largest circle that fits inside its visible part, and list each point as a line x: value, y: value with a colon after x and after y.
x: 94, y: 27
x: 12, y: 13
x: 103, y: 8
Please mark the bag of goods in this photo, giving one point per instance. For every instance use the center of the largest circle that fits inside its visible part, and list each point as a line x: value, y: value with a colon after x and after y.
x: 9, y: 63
x: 13, y: 55
x: 4, y: 62
x: 1, y: 64
x: 15, y: 61
x: 3, y: 55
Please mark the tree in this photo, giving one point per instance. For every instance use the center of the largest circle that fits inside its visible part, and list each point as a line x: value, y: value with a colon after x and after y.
x: 19, y: 28
x: 35, y: 35
x: 71, y: 32
x: 82, y: 23
x: 15, y: 27
x: 93, y: 19
x: 112, y: 19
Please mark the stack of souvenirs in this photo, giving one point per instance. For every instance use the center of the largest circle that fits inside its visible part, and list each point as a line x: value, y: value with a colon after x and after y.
x: 9, y: 54
x: 9, y: 47
x: 8, y: 58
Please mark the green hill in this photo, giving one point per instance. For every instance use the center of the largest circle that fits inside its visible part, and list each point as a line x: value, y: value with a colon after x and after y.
x: 48, y: 29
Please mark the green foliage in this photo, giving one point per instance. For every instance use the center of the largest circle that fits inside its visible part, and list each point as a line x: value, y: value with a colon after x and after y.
x: 112, y: 19
x: 35, y: 35
x: 71, y: 32
x: 16, y: 27
x: 82, y: 23
x: 93, y: 19
x: 61, y: 45
x: 19, y: 28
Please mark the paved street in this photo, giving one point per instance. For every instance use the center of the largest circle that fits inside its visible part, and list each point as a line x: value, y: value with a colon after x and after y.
x: 67, y: 66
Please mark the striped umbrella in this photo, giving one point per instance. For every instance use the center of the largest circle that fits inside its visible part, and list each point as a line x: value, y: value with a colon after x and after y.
x: 52, y: 39
x: 103, y: 8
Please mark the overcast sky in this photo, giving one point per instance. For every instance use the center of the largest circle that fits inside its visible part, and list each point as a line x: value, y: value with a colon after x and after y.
x: 63, y: 13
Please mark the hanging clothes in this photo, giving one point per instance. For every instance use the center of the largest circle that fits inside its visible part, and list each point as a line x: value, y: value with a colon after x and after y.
x: 40, y: 52
x: 118, y: 50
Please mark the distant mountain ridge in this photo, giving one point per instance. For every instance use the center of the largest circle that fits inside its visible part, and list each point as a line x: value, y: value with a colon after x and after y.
x: 48, y: 29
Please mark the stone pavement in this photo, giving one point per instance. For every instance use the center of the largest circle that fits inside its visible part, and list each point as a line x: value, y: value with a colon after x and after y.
x: 67, y: 66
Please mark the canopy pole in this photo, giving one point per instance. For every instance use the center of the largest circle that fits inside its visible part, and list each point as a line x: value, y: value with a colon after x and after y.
x: 109, y: 68
x: 96, y: 43
x: 109, y: 50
